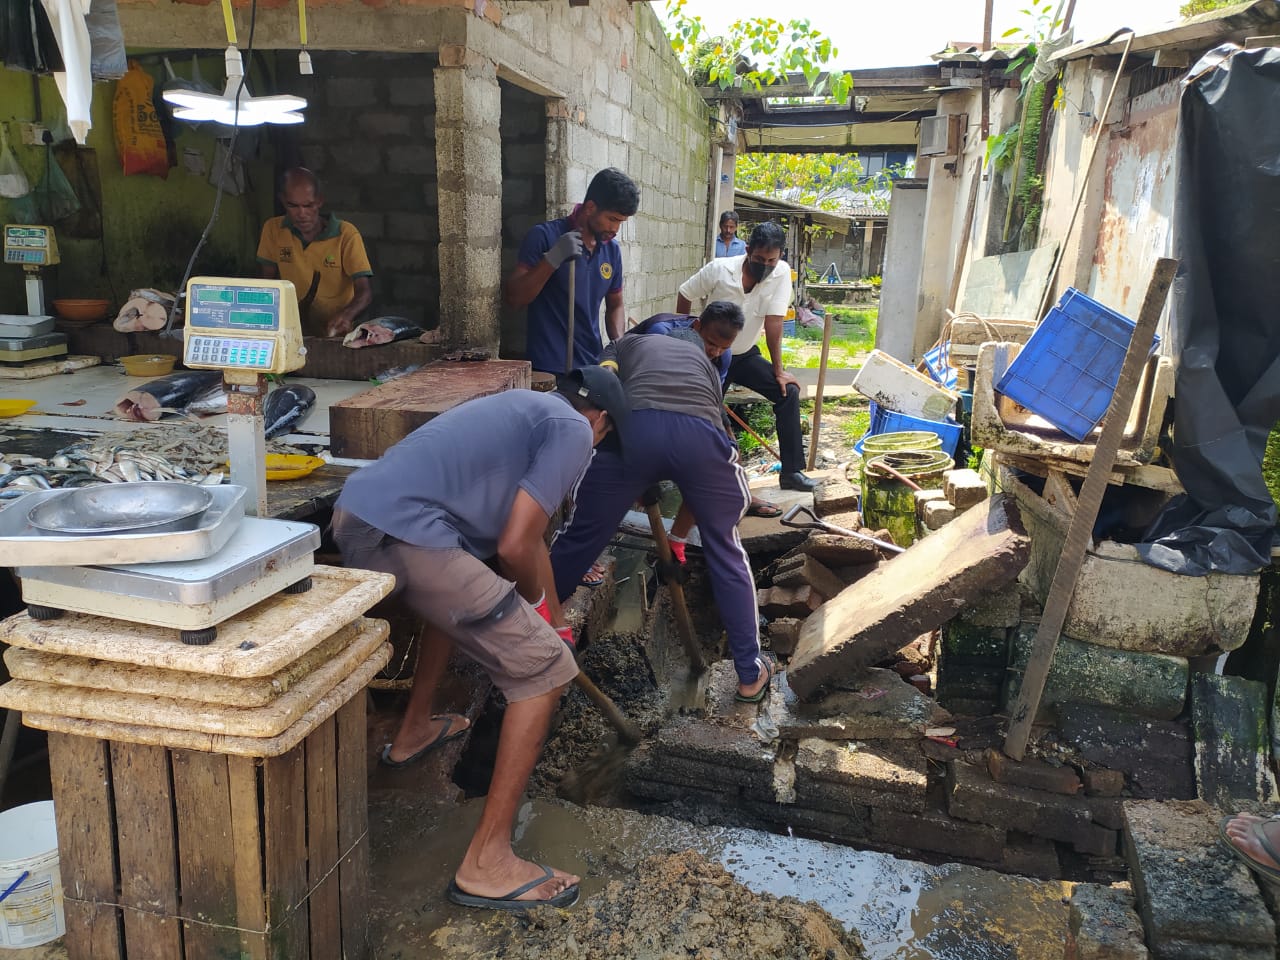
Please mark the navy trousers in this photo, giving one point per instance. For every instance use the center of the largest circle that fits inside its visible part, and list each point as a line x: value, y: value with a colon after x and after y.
x: 754, y: 372
x: 703, y: 463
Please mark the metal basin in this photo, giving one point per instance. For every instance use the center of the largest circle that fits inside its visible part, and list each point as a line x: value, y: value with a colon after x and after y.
x: 150, y: 505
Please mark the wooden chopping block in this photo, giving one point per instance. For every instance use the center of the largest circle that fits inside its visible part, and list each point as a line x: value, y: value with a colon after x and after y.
x: 364, y: 426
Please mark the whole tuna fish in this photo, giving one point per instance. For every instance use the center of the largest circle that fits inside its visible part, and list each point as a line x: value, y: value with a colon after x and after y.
x: 371, y: 333
x: 168, y: 394
x: 286, y: 407
x: 208, y: 402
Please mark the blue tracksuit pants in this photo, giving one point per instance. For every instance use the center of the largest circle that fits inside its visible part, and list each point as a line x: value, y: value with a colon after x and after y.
x: 703, y: 463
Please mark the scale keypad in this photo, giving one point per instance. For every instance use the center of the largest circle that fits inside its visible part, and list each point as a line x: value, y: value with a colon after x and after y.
x: 231, y: 352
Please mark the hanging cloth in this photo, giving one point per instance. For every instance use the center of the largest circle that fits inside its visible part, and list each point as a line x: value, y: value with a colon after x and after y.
x: 26, y: 38
x: 75, y: 82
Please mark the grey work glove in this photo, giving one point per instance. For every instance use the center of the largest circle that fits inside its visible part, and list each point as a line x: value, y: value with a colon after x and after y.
x: 569, y: 245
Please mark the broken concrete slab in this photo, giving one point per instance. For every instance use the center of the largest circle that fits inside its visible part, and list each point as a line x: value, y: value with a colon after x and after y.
x: 917, y: 591
x: 1104, y: 924
x: 1154, y: 755
x: 784, y: 634
x: 1232, y: 742
x: 1101, y: 782
x: 964, y: 488
x: 884, y: 774
x: 810, y: 572
x: 1000, y: 608
x: 835, y: 496
x: 973, y: 795
x: 788, y: 601
x: 837, y: 551
x: 936, y: 832
x: 1033, y: 774
x: 1197, y: 902
x: 1150, y: 684
x: 877, y: 706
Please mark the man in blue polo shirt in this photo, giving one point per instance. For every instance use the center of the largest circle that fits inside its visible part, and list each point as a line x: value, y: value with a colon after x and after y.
x: 540, y: 280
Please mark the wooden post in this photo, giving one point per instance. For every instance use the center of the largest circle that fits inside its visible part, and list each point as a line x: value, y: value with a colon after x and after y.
x: 1080, y: 530
x: 817, y: 397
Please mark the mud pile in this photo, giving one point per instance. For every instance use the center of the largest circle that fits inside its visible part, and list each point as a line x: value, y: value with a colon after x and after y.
x: 682, y: 906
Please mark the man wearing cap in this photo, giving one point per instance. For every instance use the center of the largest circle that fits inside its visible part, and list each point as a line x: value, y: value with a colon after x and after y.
x: 676, y: 432
x: 458, y: 511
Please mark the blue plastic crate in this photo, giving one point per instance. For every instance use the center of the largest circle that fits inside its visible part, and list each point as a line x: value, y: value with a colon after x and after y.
x: 936, y: 363
x: 886, y: 421
x: 1068, y: 370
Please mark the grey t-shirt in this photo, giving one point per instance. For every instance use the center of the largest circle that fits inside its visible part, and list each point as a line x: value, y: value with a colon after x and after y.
x: 451, y: 482
x: 668, y: 373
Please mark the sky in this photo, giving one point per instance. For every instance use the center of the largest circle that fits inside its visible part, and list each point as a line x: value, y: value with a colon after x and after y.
x: 905, y: 33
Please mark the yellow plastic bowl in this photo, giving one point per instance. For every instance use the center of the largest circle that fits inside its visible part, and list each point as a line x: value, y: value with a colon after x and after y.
x: 148, y: 365
x: 290, y: 466
x: 14, y: 408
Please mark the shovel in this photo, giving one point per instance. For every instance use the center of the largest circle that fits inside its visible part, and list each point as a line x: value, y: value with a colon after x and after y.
x: 813, y: 523
x: 684, y: 623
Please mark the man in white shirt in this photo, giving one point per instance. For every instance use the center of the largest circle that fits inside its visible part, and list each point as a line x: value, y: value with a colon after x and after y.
x: 759, y: 281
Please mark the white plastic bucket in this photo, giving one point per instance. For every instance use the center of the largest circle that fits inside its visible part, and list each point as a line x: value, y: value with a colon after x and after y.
x: 32, y: 912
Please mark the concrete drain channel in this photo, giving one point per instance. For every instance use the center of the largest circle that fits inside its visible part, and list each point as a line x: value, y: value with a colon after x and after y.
x: 706, y: 780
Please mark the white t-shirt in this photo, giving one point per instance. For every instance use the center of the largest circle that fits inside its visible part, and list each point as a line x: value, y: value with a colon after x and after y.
x: 721, y: 279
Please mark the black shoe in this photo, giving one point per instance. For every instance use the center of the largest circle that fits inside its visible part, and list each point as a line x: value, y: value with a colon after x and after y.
x: 796, y: 481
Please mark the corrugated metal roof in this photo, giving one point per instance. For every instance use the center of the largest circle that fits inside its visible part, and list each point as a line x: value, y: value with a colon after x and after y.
x: 1205, y: 30
x: 973, y: 53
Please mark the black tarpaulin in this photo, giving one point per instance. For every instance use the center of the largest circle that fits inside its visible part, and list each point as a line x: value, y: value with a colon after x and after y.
x: 1226, y: 317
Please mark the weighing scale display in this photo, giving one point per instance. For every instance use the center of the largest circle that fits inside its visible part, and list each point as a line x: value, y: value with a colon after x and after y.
x: 30, y: 245
x: 243, y: 324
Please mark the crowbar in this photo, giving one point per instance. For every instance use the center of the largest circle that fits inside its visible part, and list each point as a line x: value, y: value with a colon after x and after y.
x: 789, y: 520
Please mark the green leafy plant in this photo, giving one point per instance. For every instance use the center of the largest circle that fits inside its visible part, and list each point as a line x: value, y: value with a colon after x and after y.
x: 755, y: 53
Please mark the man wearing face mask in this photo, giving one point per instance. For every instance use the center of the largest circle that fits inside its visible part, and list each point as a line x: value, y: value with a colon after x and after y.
x: 759, y: 281
x: 540, y: 280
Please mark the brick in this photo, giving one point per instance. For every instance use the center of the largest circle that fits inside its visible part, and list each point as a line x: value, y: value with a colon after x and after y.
x: 413, y: 92
x: 1232, y: 742
x: 787, y: 601
x: 1031, y: 857
x: 355, y: 159
x: 1105, y: 925
x: 819, y: 576
x: 410, y: 226
x: 1154, y: 755
x: 379, y: 124
x: 974, y: 796
x: 411, y: 159
x: 1033, y: 774
x: 919, y: 591
x: 1150, y: 684
x: 1195, y: 900
x: 834, y: 496
x: 783, y: 635
x: 885, y: 774
x: 925, y: 497
x: 938, y: 513
x: 936, y: 832
x: 838, y: 551
x: 1101, y: 782
x: 351, y: 92
x: 853, y: 824
x: 963, y: 488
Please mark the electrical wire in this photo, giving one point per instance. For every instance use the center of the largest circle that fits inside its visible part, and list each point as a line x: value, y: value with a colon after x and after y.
x: 227, y: 161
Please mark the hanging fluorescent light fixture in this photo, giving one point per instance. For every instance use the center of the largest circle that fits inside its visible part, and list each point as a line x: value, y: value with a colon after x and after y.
x: 198, y: 107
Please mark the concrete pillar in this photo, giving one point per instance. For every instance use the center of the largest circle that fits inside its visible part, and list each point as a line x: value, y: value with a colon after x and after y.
x: 903, y: 250
x: 469, y: 181
x: 557, y: 162
x: 864, y: 268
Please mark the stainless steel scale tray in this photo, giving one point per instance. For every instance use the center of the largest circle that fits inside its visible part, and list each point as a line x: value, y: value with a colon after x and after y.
x: 16, y: 325
x: 255, y: 549
x: 36, y: 547
x: 11, y: 344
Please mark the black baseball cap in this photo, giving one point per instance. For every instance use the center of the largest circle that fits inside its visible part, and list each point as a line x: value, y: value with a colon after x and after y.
x: 601, y: 388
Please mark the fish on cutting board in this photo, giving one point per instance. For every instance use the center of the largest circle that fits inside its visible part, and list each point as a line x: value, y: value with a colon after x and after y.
x: 168, y: 394
x: 381, y: 330
x: 286, y: 407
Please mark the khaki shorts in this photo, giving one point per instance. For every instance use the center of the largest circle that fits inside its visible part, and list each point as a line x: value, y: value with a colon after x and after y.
x: 480, y: 611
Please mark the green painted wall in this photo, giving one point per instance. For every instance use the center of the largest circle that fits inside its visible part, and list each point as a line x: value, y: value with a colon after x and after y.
x: 150, y: 225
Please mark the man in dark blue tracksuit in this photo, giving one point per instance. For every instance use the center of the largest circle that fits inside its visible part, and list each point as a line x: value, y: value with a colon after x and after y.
x: 676, y: 432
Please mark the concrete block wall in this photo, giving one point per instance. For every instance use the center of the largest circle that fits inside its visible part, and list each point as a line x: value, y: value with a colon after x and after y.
x: 370, y: 137
x: 524, y: 191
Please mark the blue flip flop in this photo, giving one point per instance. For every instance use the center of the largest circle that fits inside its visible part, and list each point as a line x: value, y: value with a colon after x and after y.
x: 510, y: 902
x: 441, y: 739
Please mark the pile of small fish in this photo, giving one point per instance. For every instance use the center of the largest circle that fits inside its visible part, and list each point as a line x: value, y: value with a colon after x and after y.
x: 193, y: 453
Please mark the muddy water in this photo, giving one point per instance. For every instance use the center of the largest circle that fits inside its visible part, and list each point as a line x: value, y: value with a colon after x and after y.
x: 902, y: 910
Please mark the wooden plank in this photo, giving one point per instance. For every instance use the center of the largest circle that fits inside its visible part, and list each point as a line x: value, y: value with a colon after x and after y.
x: 80, y: 770
x: 1080, y: 530
x: 148, y: 854
x: 353, y: 828
x: 246, y: 841
x: 284, y: 830
x: 206, y: 854
x: 321, y: 751
x: 365, y: 425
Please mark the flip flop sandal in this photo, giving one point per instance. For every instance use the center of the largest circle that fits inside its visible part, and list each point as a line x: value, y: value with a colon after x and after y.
x: 441, y: 739
x: 565, y: 898
x: 759, y: 695
x: 1270, y: 873
x: 763, y: 508
x: 593, y: 577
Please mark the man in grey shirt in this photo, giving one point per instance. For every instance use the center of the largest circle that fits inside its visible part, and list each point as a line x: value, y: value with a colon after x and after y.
x: 480, y: 483
x: 675, y: 432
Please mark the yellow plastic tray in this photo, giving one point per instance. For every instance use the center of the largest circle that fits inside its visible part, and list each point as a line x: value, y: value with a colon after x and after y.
x: 12, y: 408
x: 291, y: 466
